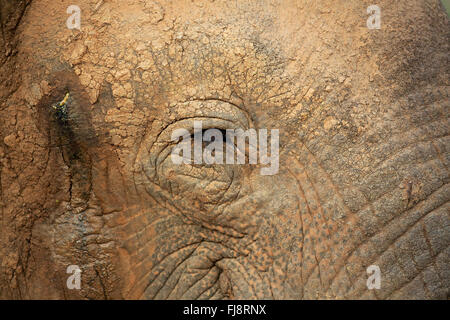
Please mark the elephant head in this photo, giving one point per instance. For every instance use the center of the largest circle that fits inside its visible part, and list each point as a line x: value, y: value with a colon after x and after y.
x: 88, y: 114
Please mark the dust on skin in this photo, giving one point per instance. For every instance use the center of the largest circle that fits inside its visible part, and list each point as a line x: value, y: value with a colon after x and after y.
x: 136, y: 67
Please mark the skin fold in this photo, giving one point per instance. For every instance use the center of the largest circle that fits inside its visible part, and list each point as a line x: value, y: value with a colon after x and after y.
x: 364, y: 141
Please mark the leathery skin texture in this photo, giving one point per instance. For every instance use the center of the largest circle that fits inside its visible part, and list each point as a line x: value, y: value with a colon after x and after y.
x: 364, y: 144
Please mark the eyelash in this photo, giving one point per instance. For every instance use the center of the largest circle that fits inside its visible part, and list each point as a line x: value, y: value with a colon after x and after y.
x: 225, y: 141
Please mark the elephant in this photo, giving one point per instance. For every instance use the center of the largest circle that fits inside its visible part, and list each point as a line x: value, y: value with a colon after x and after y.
x: 94, y: 207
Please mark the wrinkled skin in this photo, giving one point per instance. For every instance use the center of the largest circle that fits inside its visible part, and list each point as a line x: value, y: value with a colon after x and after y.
x: 364, y: 150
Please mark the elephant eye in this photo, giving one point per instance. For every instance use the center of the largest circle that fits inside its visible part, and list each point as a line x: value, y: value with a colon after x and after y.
x: 202, y: 177
x: 195, y: 174
x: 211, y: 146
x: 222, y: 138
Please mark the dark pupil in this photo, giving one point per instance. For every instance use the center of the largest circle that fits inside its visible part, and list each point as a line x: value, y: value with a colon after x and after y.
x: 222, y: 137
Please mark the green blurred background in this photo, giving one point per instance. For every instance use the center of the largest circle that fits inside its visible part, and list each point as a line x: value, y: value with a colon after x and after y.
x: 447, y: 5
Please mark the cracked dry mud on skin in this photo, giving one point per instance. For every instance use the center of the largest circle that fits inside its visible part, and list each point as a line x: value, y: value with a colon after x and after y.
x: 364, y: 150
